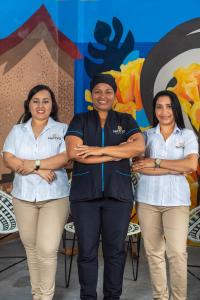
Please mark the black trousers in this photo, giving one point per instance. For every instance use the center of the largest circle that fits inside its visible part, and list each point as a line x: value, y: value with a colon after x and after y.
x: 109, y: 218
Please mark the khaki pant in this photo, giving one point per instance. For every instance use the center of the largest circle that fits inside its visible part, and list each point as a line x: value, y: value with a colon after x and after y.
x: 40, y: 227
x: 165, y: 230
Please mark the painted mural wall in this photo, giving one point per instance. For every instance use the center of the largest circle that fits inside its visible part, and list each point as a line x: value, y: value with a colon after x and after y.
x: 146, y: 45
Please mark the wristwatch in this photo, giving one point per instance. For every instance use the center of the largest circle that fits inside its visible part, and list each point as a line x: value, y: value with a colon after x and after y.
x: 157, y: 162
x: 37, y: 164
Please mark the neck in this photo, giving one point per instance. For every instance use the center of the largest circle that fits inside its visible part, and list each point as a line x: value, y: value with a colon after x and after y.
x: 166, y: 130
x: 102, y: 114
x: 102, y: 117
x: 38, y: 126
x: 39, y: 123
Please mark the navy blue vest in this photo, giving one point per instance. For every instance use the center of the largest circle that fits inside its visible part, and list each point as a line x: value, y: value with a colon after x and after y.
x: 110, y: 179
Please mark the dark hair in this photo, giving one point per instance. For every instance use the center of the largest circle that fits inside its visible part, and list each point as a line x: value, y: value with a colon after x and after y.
x: 103, y: 78
x: 27, y: 115
x: 176, y: 108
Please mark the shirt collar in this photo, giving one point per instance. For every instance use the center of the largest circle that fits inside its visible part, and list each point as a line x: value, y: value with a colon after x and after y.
x: 96, y: 114
x: 176, y: 129
x: 50, y: 124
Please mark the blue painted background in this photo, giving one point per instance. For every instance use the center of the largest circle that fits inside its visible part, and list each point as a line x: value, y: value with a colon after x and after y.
x: 148, y: 20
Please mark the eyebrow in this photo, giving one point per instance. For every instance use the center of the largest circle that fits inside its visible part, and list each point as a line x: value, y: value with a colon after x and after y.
x: 161, y: 104
x: 108, y: 89
x: 42, y: 98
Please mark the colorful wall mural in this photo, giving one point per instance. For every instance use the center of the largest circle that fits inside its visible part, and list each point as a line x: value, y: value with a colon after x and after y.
x: 146, y: 45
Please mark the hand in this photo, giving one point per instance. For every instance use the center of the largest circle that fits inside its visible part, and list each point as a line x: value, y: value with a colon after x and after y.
x: 27, y: 167
x: 141, y: 163
x: 84, y: 151
x: 19, y: 164
x: 47, y: 175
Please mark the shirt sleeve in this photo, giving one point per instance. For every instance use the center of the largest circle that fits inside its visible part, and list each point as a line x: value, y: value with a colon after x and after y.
x: 191, y: 144
x: 63, y: 145
x: 131, y: 126
x: 75, y: 127
x: 9, y: 144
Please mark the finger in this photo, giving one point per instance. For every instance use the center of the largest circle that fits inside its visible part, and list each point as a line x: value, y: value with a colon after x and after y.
x: 49, y: 179
x: 27, y: 172
x: 81, y: 147
x: 19, y: 169
x: 84, y: 155
x: 78, y: 145
x: 77, y: 148
x: 82, y: 152
x: 136, y: 165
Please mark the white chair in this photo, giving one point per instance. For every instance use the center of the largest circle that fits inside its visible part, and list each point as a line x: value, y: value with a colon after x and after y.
x: 194, y: 233
x: 8, y: 225
x: 133, y: 231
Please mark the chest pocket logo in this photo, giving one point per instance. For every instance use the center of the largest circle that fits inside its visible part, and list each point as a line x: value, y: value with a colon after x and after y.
x: 119, y: 130
x: 54, y: 137
x: 180, y: 145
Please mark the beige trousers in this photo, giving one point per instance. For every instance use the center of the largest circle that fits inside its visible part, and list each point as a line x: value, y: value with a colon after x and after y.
x: 40, y: 227
x: 164, y: 231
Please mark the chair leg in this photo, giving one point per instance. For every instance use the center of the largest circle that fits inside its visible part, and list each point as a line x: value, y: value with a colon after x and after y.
x: 138, y: 254
x: 68, y: 274
x: 14, y: 264
x: 22, y: 258
x: 64, y: 244
x: 63, y: 239
x: 135, y: 265
x: 191, y: 273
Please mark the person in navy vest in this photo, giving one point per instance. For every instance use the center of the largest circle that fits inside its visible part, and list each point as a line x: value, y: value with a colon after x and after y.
x: 101, y: 142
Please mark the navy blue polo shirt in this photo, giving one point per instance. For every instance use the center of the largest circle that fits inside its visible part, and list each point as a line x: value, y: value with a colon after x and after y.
x: 110, y: 179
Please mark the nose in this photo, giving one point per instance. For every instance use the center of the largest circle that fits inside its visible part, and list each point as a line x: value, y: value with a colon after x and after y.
x: 164, y: 110
x: 40, y: 104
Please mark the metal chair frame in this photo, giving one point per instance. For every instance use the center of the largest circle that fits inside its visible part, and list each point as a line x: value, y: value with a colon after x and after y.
x: 69, y: 227
x: 8, y: 226
x: 194, y: 234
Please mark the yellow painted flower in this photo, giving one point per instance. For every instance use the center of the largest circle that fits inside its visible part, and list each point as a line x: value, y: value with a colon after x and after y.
x: 187, y: 89
x: 129, y: 107
x: 128, y: 82
x: 88, y: 98
x: 128, y: 98
x: 195, y: 115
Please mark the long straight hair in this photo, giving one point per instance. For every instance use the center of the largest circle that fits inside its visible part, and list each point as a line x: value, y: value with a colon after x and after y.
x: 27, y: 114
x: 176, y: 108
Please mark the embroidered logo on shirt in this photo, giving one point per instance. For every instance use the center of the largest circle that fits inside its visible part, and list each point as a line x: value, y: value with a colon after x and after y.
x: 180, y: 145
x: 54, y: 137
x: 119, y: 130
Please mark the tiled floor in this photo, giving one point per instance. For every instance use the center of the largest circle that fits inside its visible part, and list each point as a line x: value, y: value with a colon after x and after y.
x: 14, y: 283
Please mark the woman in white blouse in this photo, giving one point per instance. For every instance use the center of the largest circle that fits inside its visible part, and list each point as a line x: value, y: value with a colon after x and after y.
x: 35, y: 151
x: 163, y: 195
